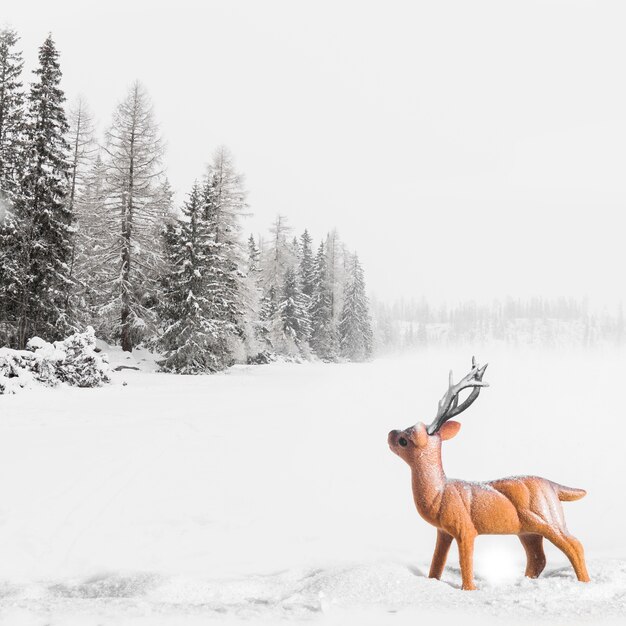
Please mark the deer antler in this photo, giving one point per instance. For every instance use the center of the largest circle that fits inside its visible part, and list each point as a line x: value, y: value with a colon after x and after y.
x: 449, y: 405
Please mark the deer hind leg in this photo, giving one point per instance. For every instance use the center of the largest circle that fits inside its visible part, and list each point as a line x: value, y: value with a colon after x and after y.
x: 573, y: 550
x: 535, y: 556
x: 441, y: 554
x: 466, y: 559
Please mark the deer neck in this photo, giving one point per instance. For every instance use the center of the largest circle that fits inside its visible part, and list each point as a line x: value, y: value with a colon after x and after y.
x: 429, y: 481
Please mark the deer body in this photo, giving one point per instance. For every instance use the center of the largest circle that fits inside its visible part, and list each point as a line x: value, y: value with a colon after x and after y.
x: 527, y: 506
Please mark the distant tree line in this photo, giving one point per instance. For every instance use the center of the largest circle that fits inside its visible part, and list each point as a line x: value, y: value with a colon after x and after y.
x: 415, y: 324
x: 90, y: 235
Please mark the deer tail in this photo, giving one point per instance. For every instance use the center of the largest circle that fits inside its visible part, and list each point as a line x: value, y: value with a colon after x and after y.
x: 568, y: 494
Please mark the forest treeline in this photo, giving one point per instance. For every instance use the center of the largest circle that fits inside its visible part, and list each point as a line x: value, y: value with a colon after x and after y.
x: 551, y: 322
x: 90, y: 235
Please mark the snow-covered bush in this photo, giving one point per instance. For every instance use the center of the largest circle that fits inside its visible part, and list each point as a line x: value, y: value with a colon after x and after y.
x: 17, y: 369
x: 73, y: 361
x: 261, y: 358
x: 82, y: 366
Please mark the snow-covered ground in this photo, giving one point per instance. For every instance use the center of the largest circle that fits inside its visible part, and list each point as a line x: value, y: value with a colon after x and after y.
x: 268, y: 493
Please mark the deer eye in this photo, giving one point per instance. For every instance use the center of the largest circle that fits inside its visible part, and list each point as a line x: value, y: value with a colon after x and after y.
x: 403, y: 442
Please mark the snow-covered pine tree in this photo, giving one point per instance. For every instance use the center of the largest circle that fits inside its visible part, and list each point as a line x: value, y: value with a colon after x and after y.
x: 306, y: 268
x: 92, y: 239
x: 295, y: 326
x: 42, y: 214
x: 224, y: 204
x: 276, y: 258
x: 11, y: 113
x: 323, y: 333
x: 335, y: 253
x: 254, y: 256
x: 296, y: 250
x: 135, y: 211
x: 355, y: 330
x: 192, y: 338
x: 9, y: 274
x: 253, y: 328
x: 278, y: 255
x: 269, y: 306
x: 83, y: 150
x: 83, y: 146
x: 11, y: 127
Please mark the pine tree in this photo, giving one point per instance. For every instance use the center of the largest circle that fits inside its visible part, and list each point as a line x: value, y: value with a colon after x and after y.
x: 192, y: 337
x: 224, y: 205
x: 254, y: 256
x: 83, y: 151
x: 11, y: 114
x: 355, y: 331
x: 323, y: 334
x: 296, y: 251
x: 83, y: 147
x: 11, y: 127
x: 276, y: 257
x: 269, y: 304
x: 136, y: 203
x: 10, y: 274
x: 41, y: 210
x: 306, y: 269
x: 336, y: 262
x: 293, y: 310
x: 92, y: 239
x: 253, y: 326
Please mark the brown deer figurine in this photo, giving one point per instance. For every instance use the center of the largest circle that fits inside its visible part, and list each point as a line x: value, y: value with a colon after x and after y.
x: 526, y: 506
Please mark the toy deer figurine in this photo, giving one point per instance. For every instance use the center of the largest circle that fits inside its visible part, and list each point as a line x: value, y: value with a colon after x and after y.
x: 527, y: 506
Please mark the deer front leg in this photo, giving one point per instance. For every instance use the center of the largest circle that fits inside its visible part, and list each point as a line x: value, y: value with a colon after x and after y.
x: 466, y: 560
x: 441, y: 554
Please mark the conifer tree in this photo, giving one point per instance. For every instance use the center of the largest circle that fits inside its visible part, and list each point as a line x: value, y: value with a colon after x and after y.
x: 92, y: 239
x: 277, y: 256
x: 293, y: 310
x: 254, y: 256
x: 253, y: 326
x: 335, y: 258
x: 83, y: 147
x: 355, y: 330
x: 41, y: 210
x: 136, y: 204
x: 11, y: 127
x: 323, y: 333
x: 11, y: 114
x: 296, y: 251
x: 224, y: 205
x: 269, y: 304
x: 306, y: 268
x: 191, y: 338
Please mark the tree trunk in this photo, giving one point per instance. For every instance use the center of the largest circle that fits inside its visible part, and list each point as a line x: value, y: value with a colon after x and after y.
x: 126, y: 339
x: 127, y: 220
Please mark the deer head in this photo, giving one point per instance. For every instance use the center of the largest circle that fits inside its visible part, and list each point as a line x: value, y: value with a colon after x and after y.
x: 420, y: 440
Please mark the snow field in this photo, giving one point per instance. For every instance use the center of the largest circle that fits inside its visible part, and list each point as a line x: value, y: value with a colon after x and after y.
x: 268, y: 493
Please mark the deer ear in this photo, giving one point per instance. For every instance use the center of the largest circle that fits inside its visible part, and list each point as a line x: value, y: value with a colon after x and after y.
x: 449, y: 430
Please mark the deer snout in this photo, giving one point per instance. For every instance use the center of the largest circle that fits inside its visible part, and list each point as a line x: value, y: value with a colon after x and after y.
x: 396, y: 438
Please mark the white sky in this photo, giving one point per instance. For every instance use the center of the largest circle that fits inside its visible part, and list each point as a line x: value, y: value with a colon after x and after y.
x: 465, y: 149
